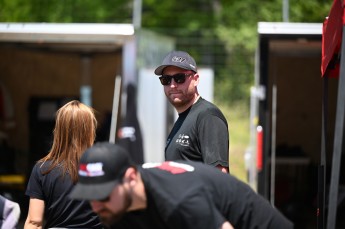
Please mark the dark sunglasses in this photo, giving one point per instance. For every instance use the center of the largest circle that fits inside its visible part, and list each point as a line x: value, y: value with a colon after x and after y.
x: 179, y: 78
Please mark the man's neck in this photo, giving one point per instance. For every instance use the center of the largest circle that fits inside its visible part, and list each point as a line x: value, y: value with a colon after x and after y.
x: 196, y: 99
x: 184, y: 108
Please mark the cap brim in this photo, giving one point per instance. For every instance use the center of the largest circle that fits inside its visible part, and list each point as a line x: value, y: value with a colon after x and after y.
x: 159, y: 70
x: 92, y: 191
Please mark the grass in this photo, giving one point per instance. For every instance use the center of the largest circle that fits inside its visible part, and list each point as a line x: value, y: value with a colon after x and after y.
x: 238, y: 120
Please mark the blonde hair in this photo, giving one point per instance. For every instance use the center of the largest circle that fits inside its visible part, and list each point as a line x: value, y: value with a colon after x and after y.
x: 74, y: 132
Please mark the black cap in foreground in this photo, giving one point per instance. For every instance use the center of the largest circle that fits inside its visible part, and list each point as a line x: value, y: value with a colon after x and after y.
x: 101, y: 167
x: 179, y: 59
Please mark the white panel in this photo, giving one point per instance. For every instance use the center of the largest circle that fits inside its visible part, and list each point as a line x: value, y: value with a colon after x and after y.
x: 66, y: 32
x: 206, y: 82
x: 128, y: 63
x: 289, y: 28
x: 152, y: 115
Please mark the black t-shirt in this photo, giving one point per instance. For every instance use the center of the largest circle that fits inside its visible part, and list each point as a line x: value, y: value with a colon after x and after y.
x: 199, y: 134
x: 60, y: 210
x: 193, y: 195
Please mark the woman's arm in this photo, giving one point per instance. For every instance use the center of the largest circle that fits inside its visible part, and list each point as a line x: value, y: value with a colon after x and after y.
x: 35, y: 214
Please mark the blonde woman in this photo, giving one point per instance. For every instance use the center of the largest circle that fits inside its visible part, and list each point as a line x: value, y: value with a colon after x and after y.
x: 54, y: 176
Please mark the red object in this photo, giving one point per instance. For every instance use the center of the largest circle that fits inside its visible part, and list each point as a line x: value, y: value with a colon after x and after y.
x: 331, y: 40
x: 259, y: 148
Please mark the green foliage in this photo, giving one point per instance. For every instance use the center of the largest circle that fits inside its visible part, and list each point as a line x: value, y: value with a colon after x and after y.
x: 219, y: 34
x: 111, y: 11
x: 12, y: 11
x: 187, y: 15
x: 237, y: 116
x: 309, y: 10
x: 237, y: 30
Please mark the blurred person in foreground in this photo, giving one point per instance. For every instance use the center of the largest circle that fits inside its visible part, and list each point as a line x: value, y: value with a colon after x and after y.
x: 180, y: 194
x: 9, y: 213
x: 54, y: 176
x: 201, y: 130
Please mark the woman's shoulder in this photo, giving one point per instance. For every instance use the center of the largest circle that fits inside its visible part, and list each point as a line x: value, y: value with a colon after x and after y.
x: 43, y: 164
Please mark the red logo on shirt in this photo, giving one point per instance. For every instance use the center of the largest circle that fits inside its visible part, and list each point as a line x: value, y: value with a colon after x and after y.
x: 170, y: 166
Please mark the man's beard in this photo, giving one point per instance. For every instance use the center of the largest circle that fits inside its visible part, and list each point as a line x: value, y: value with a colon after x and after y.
x: 182, y: 101
x: 115, y: 217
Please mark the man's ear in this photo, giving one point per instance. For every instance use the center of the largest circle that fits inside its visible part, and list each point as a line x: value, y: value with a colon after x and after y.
x: 196, y: 79
x: 130, y: 175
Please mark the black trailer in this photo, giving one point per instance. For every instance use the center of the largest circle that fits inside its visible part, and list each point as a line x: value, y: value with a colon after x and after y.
x: 287, y: 110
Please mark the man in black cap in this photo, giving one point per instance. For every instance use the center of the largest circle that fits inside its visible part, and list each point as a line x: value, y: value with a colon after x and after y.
x: 201, y: 130
x: 180, y: 194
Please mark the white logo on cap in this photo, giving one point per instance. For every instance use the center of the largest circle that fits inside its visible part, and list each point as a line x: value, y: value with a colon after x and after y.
x: 91, y: 169
x: 178, y: 59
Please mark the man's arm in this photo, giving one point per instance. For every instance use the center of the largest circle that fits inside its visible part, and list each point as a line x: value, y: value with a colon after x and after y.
x: 226, y: 225
x: 223, y: 169
x: 35, y: 214
x: 213, y: 137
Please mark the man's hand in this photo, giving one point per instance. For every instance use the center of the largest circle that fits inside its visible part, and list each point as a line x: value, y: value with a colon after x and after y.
x: 223, y: 169
x: 226, y: 225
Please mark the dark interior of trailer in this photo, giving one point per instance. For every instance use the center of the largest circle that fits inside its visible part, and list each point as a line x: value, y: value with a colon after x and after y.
x: 293, y: 68
x: 35, y: 81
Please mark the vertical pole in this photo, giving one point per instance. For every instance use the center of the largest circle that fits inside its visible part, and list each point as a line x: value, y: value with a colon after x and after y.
x: 85, y: 88
x: 137, y: 5
x: 285, y: 10
x: 259, y: 148
x: 338, y: 142
x: 114, y: 113
x: 322, y: 167
x: 273, y: 143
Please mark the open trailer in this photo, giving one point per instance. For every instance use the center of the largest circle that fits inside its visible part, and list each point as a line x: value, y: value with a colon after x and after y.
x: 297, y: 120
x: 43, y: 65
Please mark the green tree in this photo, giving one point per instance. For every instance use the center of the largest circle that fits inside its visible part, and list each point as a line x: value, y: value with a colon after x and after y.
x: 237, y: 29
x: 219, y: 34
x: 102, y: 11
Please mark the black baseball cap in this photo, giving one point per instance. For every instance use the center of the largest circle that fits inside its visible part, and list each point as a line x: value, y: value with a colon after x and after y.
x: 179, y: 59
x: 101, y: 168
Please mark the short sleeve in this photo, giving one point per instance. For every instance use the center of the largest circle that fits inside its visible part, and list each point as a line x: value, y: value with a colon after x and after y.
x: 214, y: 139
x: 34, y: 187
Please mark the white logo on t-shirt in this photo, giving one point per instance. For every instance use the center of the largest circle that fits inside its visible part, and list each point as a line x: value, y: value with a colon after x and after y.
x: 183, y: 140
